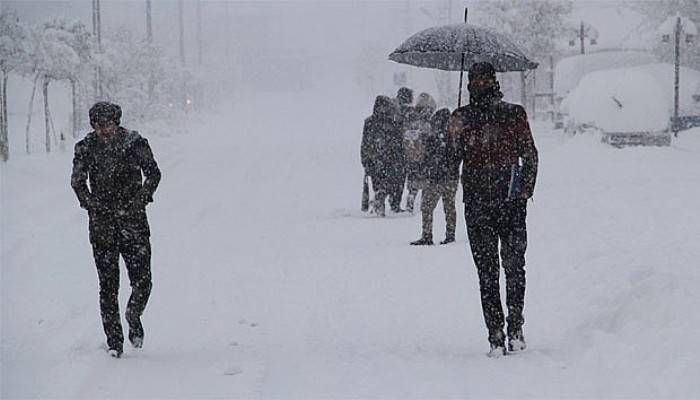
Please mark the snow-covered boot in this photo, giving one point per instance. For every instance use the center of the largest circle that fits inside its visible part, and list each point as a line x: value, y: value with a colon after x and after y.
x: 516, y: 342
x: 496, y: 351
x: 497, y: 340
x: 114, y: 353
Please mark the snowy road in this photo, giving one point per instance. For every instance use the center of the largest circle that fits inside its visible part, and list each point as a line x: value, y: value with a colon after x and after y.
x: 269, y: 284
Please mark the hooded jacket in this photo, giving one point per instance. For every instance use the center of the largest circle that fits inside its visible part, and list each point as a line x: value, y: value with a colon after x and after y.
x: 381, y: 153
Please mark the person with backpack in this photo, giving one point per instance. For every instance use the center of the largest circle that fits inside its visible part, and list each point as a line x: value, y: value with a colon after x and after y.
x: 416, y: 130
x: 442, y: 179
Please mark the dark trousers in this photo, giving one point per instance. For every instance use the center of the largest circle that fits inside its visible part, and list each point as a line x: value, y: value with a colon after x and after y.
x: 395, y: 192
x: 432, y: 193
x: 137, y: 257
x: 414, y: 183
x: 386, y: 187
x: 487, y: 225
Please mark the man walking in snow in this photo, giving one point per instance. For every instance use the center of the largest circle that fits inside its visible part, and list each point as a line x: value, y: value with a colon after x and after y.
x: 113, y: 159
x: 494, y: 141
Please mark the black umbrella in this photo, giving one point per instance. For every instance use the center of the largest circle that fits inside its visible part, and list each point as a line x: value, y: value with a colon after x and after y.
x: 452, y: 47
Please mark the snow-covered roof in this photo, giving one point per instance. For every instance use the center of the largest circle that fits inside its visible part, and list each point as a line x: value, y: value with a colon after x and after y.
x: 631, y: 99
x: 569, y: 71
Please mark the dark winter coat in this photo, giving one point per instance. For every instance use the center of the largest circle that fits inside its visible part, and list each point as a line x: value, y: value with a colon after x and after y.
x: 490, y: 137
x: 381, y: 151
x: 441, y: 162
x: 117, y: 194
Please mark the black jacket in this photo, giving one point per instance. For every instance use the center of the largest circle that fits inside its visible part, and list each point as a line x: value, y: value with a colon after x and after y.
x: 490, y: 138
x: 117, y: 194
x: 381, y: 152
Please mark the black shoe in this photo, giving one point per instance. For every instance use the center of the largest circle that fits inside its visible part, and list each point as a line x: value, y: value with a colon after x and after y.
x: 424, y: 241
x: 448, y: 239
x: 135, y: 330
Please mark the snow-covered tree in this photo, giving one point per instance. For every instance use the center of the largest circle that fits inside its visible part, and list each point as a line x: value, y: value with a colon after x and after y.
x: 655, y: 13
x: 138, y: 76
x: 62, y: 52
x: 13, y: 57
x: 535, y: 25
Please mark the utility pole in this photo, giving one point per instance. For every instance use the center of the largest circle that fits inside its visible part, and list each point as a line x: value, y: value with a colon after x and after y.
x: 675, y: 126
x: 97, y: 33
x: 94, y: 18
x: 182, y: 53
x: 149, y: 40
x: 149, y: 23
x: 678, y: 25
x: 582, y: 32
x: 99, y: 24
x: 551, y: 86
x: 227, y: 24
x: 182, y: 33
x: 199, y: 32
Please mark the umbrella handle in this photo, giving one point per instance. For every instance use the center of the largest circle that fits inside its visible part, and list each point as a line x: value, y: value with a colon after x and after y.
x: 461, y: 78
x: 461, y: 70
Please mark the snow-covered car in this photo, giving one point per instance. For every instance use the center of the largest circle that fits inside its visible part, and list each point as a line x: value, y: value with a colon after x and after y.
x: 570, y: 70
x: 629, y: 106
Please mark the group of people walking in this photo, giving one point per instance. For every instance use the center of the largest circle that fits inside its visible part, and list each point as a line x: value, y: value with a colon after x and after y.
x: 115, y: 176
x: 492, y: 141
x: 405, y: 146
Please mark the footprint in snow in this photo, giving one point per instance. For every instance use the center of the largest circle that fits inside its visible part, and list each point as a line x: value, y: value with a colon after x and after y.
x: 231, y: 371
x: 245, y: 322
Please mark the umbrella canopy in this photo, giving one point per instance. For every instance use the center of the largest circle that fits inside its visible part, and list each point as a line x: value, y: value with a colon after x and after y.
x: 442, y: 48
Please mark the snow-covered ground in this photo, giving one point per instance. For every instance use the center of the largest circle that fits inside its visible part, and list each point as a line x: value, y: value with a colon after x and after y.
x: 269, y: 282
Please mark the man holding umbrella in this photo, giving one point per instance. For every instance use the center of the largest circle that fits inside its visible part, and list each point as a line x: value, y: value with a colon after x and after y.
x: 494, y: 141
